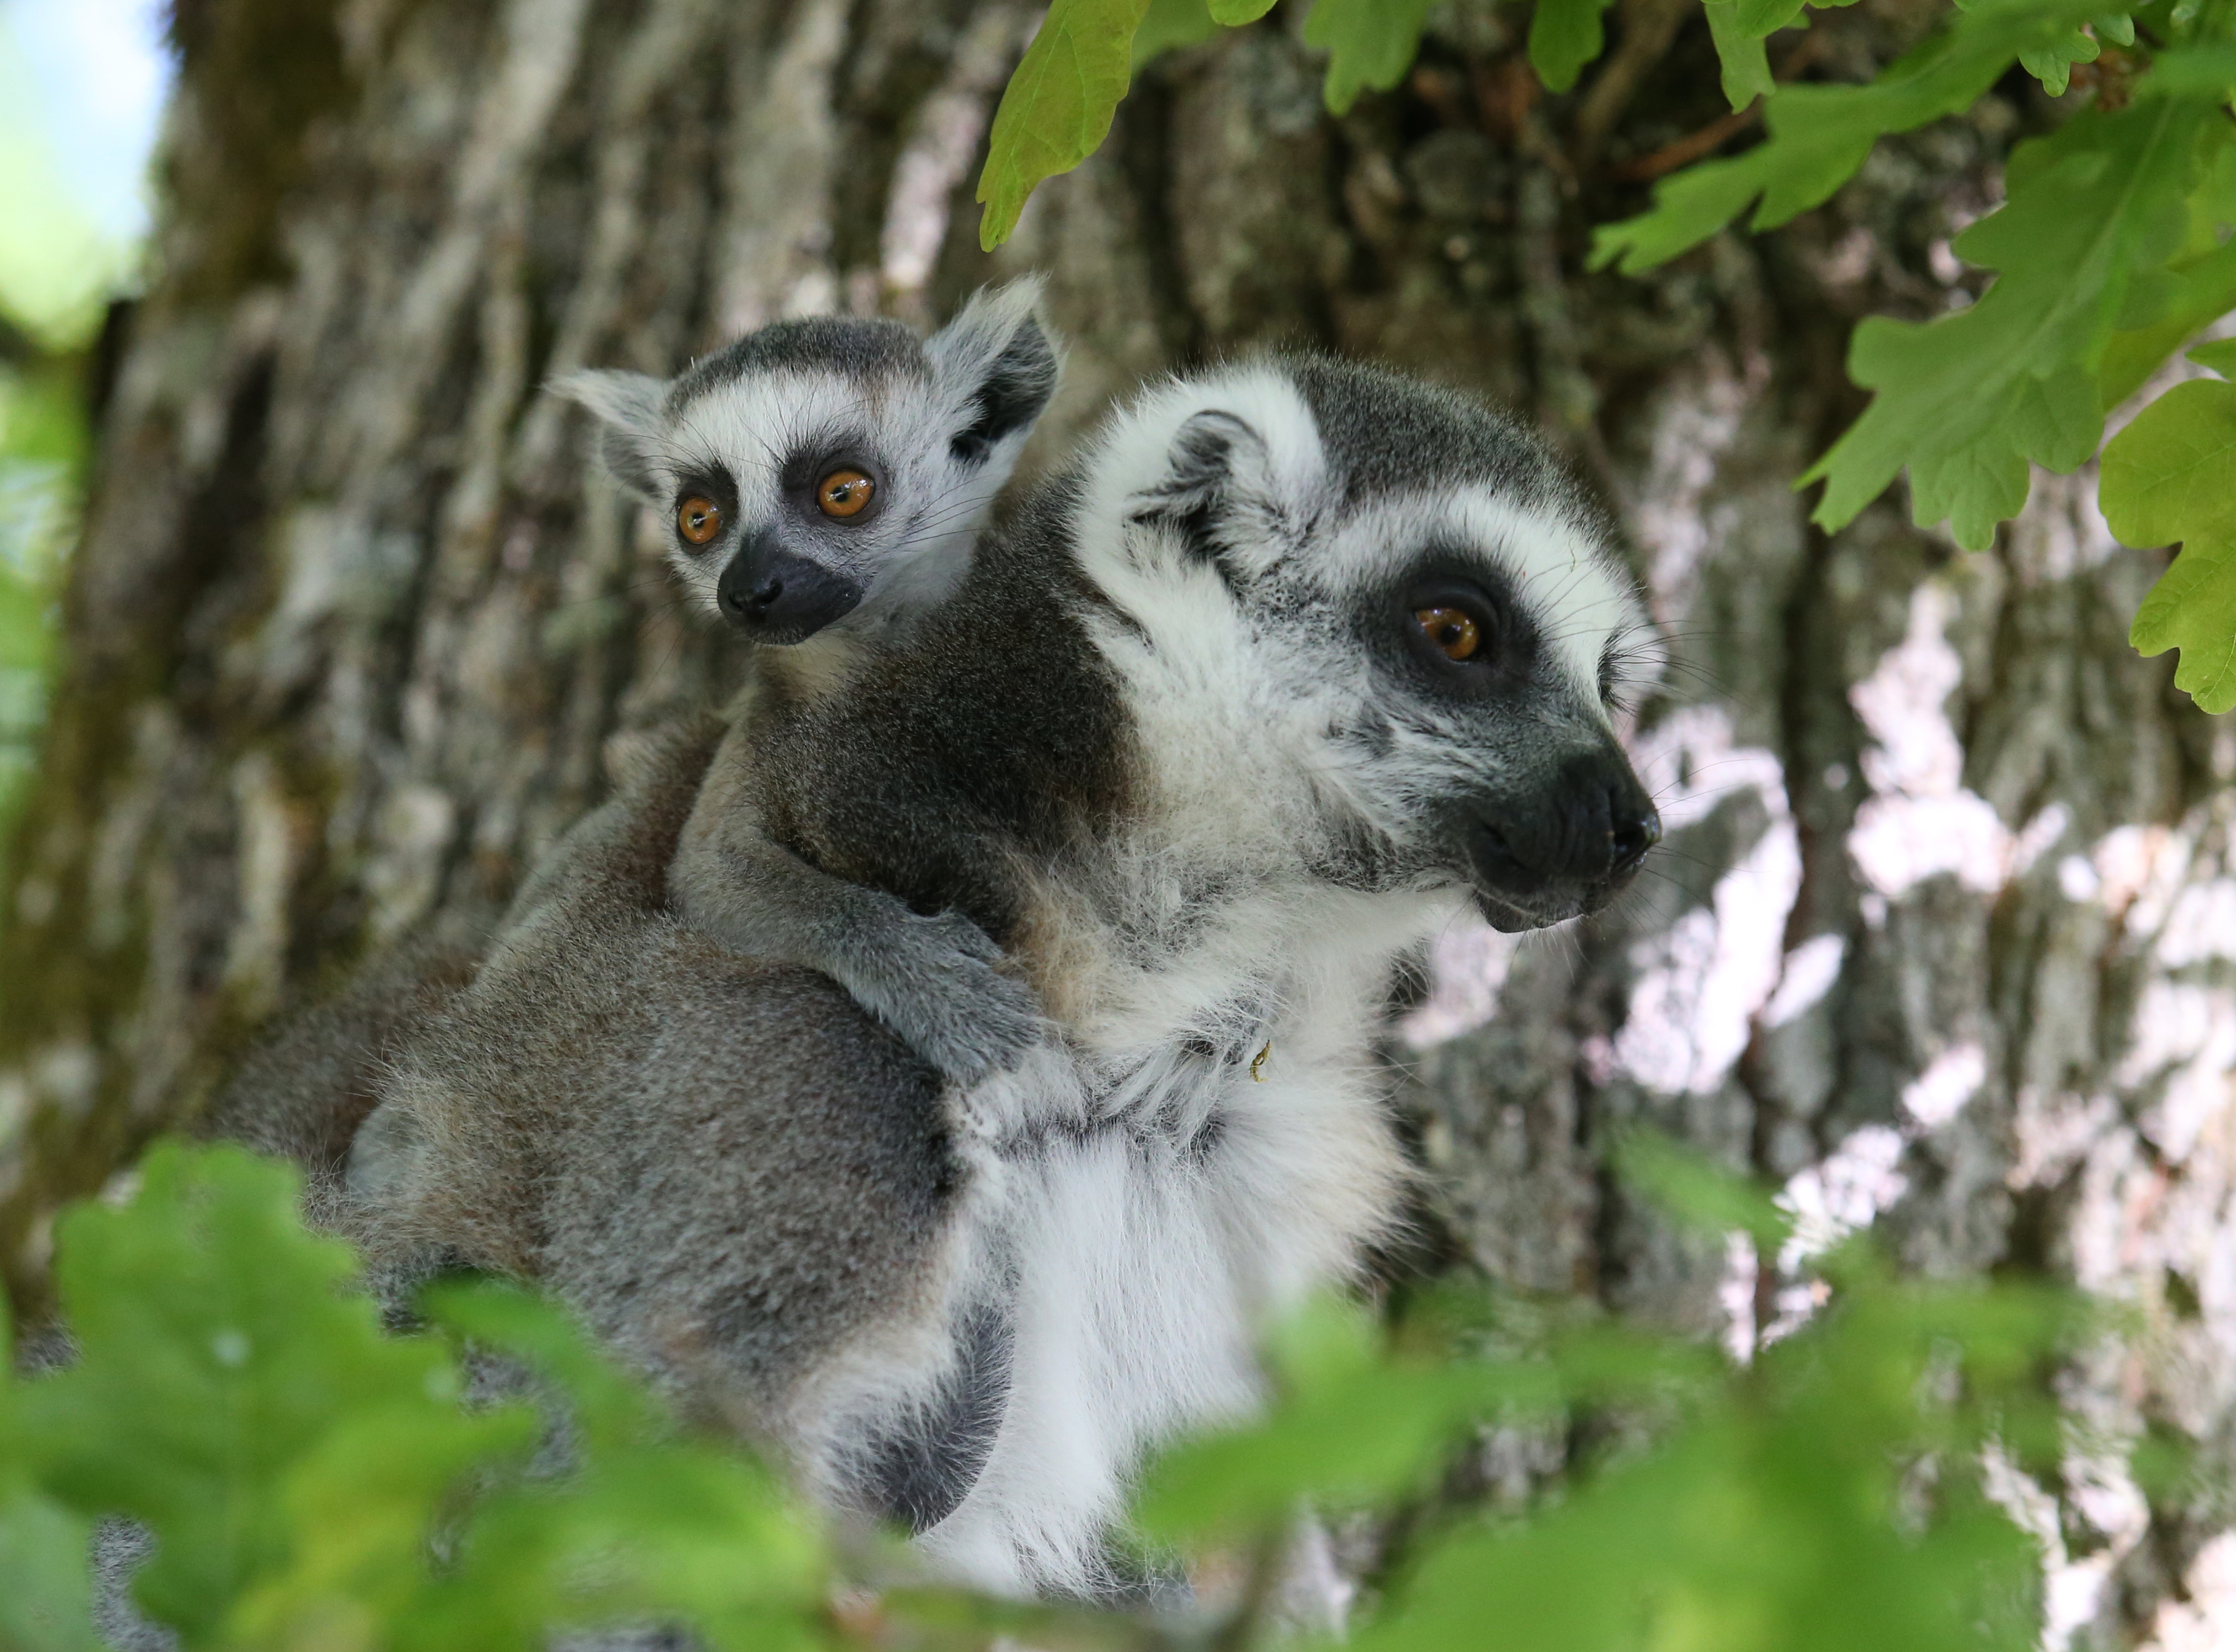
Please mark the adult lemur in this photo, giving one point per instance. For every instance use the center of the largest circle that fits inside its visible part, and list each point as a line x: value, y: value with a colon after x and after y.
x: 1300, y: 658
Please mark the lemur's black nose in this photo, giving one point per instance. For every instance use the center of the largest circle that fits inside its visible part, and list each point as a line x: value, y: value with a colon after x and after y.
x: 779, y: 598
x: 1636, y: 829
x: 1591, y: 824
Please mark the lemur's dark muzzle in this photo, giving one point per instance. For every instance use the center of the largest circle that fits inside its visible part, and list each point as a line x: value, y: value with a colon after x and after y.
x: 775, y: 596
x: 1566, y: 847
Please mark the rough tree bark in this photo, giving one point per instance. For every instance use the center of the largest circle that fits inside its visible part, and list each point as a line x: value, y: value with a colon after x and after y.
x: 1947, y: 921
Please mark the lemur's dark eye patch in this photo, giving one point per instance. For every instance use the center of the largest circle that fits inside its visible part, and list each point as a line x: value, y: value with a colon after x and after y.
x: 845, y: 492
x: 699, y: 519
x: 1453, y: 632
x: 1463, y: 627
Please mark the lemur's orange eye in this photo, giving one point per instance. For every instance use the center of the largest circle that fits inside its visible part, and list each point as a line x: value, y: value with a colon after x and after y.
x: 698, y: 519
x: 844, y: 493
x: 1452, y: 631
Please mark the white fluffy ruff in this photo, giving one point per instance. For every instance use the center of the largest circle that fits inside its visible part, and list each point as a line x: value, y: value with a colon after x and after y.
x: 1140, y: 1260
x: 1142, y: 1255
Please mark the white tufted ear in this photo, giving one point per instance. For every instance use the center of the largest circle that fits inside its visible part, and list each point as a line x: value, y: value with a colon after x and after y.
x: 628, y: 409
x: 994, y: 368
x: 1221, y: 492
x: 1213, y: 457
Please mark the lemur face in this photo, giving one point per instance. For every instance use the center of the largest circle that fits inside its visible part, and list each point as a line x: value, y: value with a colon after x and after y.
x: 1403, y: 595
x: 823, y: 468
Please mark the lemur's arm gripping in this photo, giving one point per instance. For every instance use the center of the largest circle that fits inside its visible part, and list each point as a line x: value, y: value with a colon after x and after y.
x: 934, y: 981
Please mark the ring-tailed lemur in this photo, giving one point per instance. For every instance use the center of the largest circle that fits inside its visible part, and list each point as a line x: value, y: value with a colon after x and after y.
x: 826, y: 480
x: 1299, y: 658
x: 822, y: 479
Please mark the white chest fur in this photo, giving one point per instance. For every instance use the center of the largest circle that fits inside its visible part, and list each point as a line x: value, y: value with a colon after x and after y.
x: 1140, y: 1204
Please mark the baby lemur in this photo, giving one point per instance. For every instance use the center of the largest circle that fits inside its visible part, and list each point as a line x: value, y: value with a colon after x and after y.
x: 825, y: 480
x: 1297, y: 660
x: 820, y: 478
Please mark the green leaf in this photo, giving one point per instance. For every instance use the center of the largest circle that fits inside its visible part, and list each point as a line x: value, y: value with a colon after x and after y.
x: 2171, y: 306
x: 363, y: 1503
x: 1167, y: 26
x: 1370, y: 43
x: 649, y: 1526
x: 1745, y: 64
x: 661, y: 1533
x: 1058, y: 106
x: 1564, y: 35
x: 217, y: 1342
x: 1355, y: 1429
x: 46, y: 1593
x: 1819, y: 135
x: 2166, y: 477
x: 609, y: 1410
x: 2191, y: 71
x: 1363, y: 1420
x: 1769, y: 1512
x: 1739, y: 28
x: 2219, y: 356
x: 2171, y: 476
x: 2053, y: 64
x: 1965, y: 402
x: 2197, y: 294
x: 1762, y: 18
x: 1234, y: 14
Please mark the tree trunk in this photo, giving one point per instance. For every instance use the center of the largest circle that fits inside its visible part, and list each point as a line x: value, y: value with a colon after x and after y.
x: 1946, y: 922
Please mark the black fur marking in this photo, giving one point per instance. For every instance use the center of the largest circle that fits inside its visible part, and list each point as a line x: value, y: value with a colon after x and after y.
x: 921, y: 779
x: 1018, y: 383
x: 920, y: 1474
x: 1384, y: 433
x: 1196, y: 491
x: 817, y: 344
x: 1100, y: 601
x: 1208, y: 1135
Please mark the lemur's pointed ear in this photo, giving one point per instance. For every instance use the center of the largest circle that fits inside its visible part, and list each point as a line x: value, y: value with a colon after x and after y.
x: 996, y: 366
x: 1212, y: 454
x: 1215, y: 489
x: 1215, y: 460
x: 627, y: 405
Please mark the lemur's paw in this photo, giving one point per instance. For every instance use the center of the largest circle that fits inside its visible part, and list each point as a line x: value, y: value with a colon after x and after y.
x: 937, y: 987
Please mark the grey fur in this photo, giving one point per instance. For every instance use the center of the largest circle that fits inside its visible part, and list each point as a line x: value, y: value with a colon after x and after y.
x: 121, y: 1548
x: 859, y: 349
x: 304, y: 1095
x: 724, y: 1160
x: 1389, y: 433
x: 935, y: 978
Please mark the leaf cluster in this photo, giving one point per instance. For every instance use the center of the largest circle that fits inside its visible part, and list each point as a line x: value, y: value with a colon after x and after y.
x: 2112, y: 248
x: 490, y: 1481
x: 1832, y: 1494
x: 310, y: 1481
